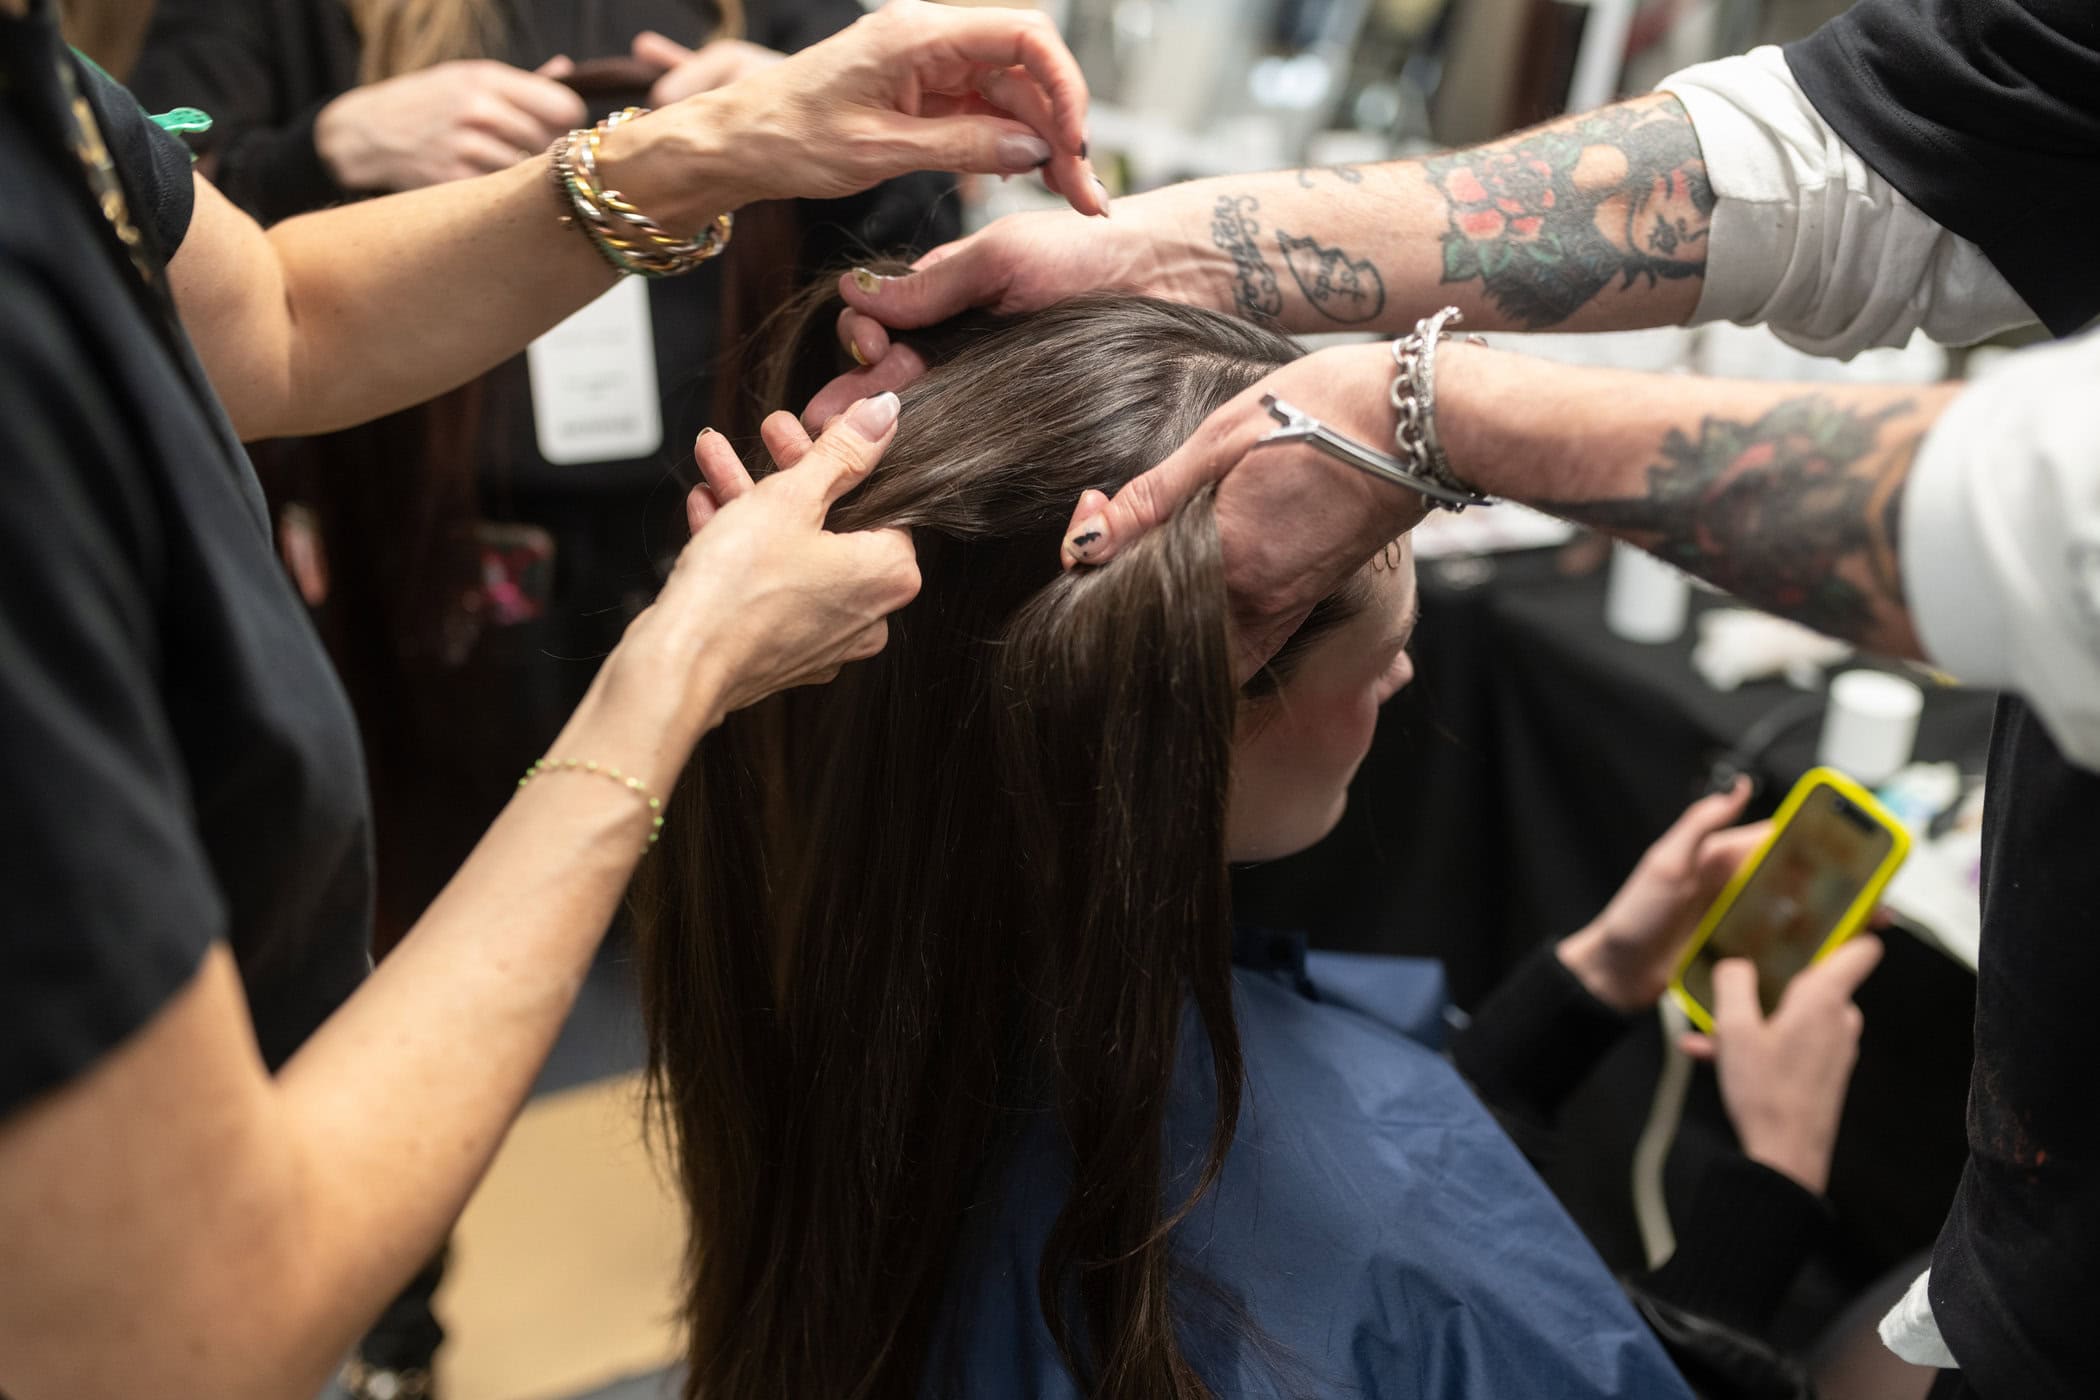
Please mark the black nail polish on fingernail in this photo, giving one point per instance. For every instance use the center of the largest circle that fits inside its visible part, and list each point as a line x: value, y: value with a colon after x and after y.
x: 1082, y: 541
x: 1082, y: 150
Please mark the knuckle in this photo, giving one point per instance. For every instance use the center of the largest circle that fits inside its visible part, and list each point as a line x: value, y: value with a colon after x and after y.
x: 908, y: 582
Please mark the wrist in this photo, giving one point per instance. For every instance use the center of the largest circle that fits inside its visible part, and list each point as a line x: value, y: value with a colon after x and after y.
x: 678, y: 165
x: 1792, y: 1156
x: 1179, y: 258
x: 339, y: 145
x: 651, y: 702
x: 1589, y: 956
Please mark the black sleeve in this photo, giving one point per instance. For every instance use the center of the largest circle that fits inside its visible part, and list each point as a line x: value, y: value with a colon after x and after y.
x: 1746, y: 1235
x: 111, y: 903
x: 154, y: 165
x: 792, y: 25
x: 260, y: 72
x: 1535, y: 1038
x: 1986, y: 115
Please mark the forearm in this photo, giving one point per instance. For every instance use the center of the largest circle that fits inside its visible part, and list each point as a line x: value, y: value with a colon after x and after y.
x: 1593, y: 222
x: 1788, y: 496
x: 400, y: 1100
x: 182, y: 1222
x: 340, y: 316
x: 393, y: 301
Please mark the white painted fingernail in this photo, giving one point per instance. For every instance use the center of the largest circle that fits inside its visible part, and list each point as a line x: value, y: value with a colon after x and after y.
x: 871, y: 418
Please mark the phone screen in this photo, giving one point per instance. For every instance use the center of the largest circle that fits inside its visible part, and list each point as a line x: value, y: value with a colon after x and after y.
x: 1823, y: 857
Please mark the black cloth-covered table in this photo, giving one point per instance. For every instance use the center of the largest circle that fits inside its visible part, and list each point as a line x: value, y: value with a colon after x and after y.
x: 1511, y: 789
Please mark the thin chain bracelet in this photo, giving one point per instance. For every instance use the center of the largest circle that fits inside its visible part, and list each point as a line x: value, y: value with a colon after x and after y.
x: 654, y: 803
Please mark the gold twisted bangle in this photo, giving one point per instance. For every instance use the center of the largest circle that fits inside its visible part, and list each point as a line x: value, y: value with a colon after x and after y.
x: 624, y: 236
x: 650, y: 800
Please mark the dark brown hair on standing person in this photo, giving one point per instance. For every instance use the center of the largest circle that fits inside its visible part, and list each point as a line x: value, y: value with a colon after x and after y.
x: 978, y: 879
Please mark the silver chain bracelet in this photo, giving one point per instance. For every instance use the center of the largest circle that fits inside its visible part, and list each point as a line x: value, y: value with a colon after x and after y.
x: 1420, y: 464
x: 1413, y: 397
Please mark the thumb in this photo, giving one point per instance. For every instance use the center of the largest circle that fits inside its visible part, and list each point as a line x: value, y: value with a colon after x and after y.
x: 1148, y: 500
x: 1735, y: 996
x: 1677, y: 848
x: 558, y: 67
x: 945, y: 282
x: 847, y: 451
x: 652, y: 47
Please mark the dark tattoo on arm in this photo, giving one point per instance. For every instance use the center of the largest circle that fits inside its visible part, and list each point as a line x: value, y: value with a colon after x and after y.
x: 1795, y: 512
x: 1339, y: 287
x: 1546, y: 221
x: 1237, y: 234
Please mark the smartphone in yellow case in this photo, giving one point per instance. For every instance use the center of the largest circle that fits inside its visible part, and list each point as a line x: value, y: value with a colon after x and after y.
x: 1812, y: 884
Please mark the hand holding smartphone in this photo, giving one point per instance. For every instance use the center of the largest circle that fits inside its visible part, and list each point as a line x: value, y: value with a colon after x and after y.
x: 1813, y: 884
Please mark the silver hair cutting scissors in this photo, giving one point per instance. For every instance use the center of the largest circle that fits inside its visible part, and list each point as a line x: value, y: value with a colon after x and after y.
x: 1300, y: 426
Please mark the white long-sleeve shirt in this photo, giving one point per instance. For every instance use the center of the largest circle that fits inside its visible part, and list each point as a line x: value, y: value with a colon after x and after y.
x: 2000, y: 533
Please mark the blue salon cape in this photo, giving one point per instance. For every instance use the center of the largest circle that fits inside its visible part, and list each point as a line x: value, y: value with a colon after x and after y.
x: 1374, y: 1224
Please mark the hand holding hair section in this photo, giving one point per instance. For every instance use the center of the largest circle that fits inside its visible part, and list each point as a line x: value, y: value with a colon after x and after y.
x: 1293, y: 522
x: 791, y: 601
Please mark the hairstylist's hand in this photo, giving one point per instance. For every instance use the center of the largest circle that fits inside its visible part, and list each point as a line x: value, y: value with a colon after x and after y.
x: 1625, y: 956
x: 1784, y: 1080
x: 1023, y: 262
x: 446, y: 122
x: 914, y: 86
x: 764, y: 597
x: 716, y: 63
x: 1293, y: 522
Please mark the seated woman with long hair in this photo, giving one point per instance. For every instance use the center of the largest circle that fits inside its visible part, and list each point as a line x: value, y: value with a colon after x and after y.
x: 967, y: 1095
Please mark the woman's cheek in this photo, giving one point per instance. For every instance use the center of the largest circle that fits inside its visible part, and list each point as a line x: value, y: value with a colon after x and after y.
x: 1350, y: 730
x: 1397, y: 677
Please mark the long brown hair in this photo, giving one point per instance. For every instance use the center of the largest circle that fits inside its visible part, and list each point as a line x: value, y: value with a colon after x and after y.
x: 975, y: 880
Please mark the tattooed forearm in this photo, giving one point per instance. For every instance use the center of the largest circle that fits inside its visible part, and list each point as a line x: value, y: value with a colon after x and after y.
x: 1548, y: 220
x: 1795, y: 511
x: 1339, y: 287
x: 1236, y: 233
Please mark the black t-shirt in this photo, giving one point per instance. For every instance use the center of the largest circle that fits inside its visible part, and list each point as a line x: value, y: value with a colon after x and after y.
x: 1986, y: 114
x: 182, y: 766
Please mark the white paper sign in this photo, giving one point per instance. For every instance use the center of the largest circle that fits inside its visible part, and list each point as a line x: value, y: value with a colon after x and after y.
x: 594, y: 396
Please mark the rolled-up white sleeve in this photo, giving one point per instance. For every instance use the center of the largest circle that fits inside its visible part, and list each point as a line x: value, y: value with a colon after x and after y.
x: 2000, y: 538
x: 1808, y: 240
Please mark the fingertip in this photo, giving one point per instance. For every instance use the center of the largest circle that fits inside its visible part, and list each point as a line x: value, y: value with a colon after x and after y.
x: 700, y: 507
x: 1087, y: 541
x: 867, y: 342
